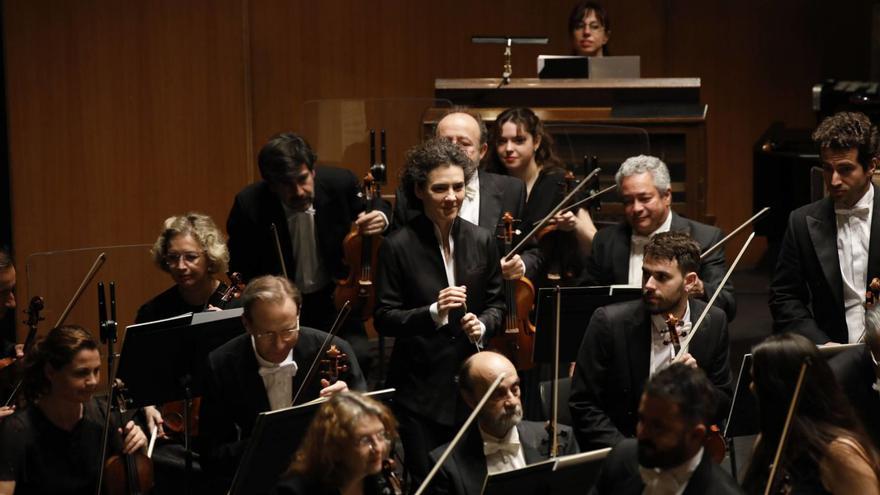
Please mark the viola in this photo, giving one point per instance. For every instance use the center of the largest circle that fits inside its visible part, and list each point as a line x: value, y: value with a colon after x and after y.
x: 517, y: 341
x: 8, y: 372
x: 126, y: 473
x: 334, y: 363
x: 560, y: 247
x: 393, y: 484
x: 360, y: 253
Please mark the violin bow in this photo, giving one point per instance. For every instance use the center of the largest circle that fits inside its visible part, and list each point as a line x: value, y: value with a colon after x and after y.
x: 460, y: 433
x: 278, y: 248
x: 313, y: 368
x: 687, y: 339
x: 592, y: 196
x: 734, y: 232
x: 99, y: 262
x: 792, y: 407
x: 552, y: 213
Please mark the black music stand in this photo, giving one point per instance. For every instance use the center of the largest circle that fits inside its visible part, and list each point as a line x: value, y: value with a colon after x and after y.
x: 578, y: 305
x: 274, y: 441
x: 743, y: 417
x: 530, y: 480
x: 165, y: 360
x: 577, y: 473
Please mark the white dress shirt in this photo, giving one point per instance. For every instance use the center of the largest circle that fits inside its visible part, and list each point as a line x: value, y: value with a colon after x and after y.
x: 853, y: 238
x: 672, y: 481
x: 662, y: 350
x: 449, y: 265
x: 637, y: 250
x: 309, y: 273
x: 503, y: 454
x: 277, y: 378
x: 470, y: 207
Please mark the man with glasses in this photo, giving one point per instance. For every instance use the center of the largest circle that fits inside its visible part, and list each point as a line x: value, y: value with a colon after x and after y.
x: 262, y: 370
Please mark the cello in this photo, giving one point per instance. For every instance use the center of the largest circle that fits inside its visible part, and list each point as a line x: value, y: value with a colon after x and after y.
x: 517, y: 341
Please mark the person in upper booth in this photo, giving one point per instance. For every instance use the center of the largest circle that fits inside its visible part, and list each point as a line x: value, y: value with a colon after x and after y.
x: 590, y: 29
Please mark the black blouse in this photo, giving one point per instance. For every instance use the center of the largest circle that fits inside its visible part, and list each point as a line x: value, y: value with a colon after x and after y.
x: 170, y: 303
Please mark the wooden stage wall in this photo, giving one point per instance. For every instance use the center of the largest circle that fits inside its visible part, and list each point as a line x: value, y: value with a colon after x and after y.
x: 124, y: 112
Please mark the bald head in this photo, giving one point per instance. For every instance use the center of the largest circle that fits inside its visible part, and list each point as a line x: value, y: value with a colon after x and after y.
x: 467, y: 132
x: 503, y: 409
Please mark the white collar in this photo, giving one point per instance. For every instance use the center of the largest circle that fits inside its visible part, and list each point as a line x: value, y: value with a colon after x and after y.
x: 266, y: 364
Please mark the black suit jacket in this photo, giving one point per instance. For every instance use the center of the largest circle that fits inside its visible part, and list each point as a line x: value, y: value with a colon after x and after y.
x: 609, y: 262
x: 235, y: 394
x: 252, y: 245
x: 620, y: 475
x: 854, y: 370
x: 464, y: 471
x: 808, y: 270
x: 411, y: 273
x: 614, y: 362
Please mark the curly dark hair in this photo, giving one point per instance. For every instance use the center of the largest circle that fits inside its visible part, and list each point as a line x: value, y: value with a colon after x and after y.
x: 848, y: 130
x: 676, y: 246
x: 687, y: 387
x: 283, y: 155
x: 423, y: 158
x: 57, y: 349
x: 525, y: 120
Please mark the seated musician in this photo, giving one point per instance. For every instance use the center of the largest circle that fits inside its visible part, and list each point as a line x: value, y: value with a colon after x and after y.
x: 858, y: 373
x: 343, y: 449
x: 827, y: 450
x: 261, y: 370
x: 590, y: 28
x: 829, y: 247
x: 192, y: 251
x: 668, y: 454
x: 487, y: 195
x: 438, y: 294
x: 53, y: 446
x: 645, y: 187
x: 499, y: 441
x: 625, y: 343
x: 8, y: 348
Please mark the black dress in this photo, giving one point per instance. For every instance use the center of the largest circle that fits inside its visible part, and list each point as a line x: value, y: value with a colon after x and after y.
x: 44, y: 459
x: 170, y: 303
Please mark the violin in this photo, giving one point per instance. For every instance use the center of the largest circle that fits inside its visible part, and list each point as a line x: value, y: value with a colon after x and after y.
x: 872, y: 295
x: 334, y: 363
x: 236, y: 286
x: 393, y: 484
x: 126, y: 473
x: 517, y: 341
x: 560, y: 247
x: 8, y: 372
x: 361, y: 253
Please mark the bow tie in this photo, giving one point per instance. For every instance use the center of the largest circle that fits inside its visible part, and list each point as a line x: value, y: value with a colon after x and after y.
x: 658, y: 482
x: 639, y: 241
x: 470, y: 192
x: 490, y: 448
x: 284, y: 369
x: 861, y: 212
x: 876, y: 385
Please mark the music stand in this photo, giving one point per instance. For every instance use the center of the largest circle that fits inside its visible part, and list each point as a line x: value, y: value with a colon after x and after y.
x: 743, y: 417
x: 577, y: 473
x: 578, y: 305
x: 275, y: 438
x: 530, y: 480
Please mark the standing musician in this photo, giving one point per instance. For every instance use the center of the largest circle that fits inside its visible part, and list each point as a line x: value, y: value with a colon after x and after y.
x: 645, y: 187
x: 438, y: 295
x: 312, y: 208
x: 7, y: 317
x: 827, y: 450
x: 501, y: 441
x: 667, y: 456
x: 625, y: 343
x: 858, y: 373
x: 261, y: 370
x: 53, y: 445
x: 827, y: 252
x: 344, y: 449
x: 191, y: 249
x: 487, y: 195
x: 522, y: 148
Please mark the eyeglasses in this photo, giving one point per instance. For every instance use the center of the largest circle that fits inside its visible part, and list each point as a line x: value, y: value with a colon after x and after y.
x: 374, y: 441
x: 595, y: 27
x: 285, y: 335
x: 189, y: 258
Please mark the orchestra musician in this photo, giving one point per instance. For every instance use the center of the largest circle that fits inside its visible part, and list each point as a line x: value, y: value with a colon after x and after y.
x: 858, y: 373
x: 438, y: 295
x: 644, y: 186
x: 343, y: 450
x: 312, y: 208
x: 627, y: 342
x: 53, y: 445
x: 261, y: 370
x: 487, y: 195
x: 7, y: 316
x: 191, y: 249
x: 827, y: 450
x: 500, y: 441
x: 590, y: 29
x: 668, y: 454
x: 827, y: 252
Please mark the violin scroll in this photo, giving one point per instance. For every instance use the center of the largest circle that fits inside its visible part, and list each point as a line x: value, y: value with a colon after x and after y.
x: 334, y: 364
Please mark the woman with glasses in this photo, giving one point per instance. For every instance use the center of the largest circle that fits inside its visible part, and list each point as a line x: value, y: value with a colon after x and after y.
x: 343, y: 450
x: 193, y: 251
x: 590, y: 29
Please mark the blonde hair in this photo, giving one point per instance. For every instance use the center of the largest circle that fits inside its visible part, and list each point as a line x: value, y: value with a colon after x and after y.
x: 203, y: 230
